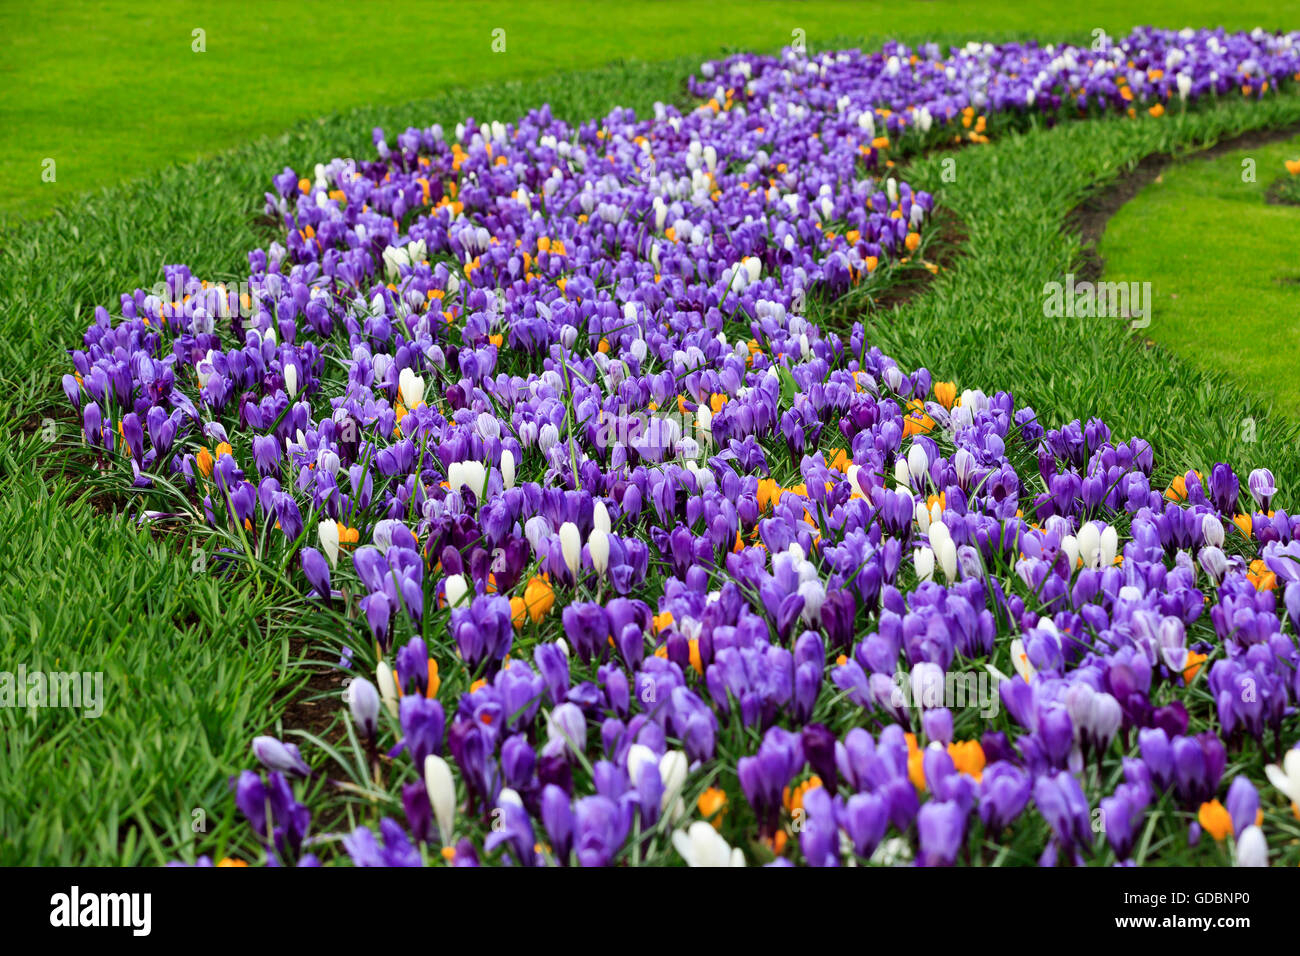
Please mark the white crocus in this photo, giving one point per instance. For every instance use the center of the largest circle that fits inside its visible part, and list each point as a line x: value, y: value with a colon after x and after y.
x: 328, y: 533
x: 291, y: 380
x: 442, y: 794
x: 571, y: 546
x: 411, y: 387
x: 387, y: 686
x: 1070, y: 547
x: 639, y: 756
x: 924, y: 560
x: 1109, y: 546
x: 704, y: 420
x: 394, y: 258
x: 1089, y: 539
x: 939, y: 533
x: 918, y: 463
x: 1252, y: 848
x: 1020, y: 660
x: 600, y: 517
x: 1286, y: 778
x: 471, y: 474
x: 946, y: 554
x: 901, y: 473
x: 813, y: 593
x: 1212, y: 530
x: 701, y: 845
x: 923, y: 517
x: 455, y: 589
x: 598, y: 548
x: 672, y: 773
x: 507, y: 468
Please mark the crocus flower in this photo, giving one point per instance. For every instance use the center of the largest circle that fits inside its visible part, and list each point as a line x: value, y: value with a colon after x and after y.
x: 941, y: 826
x: 1286, y: 778
x: 442, y: 794
x: 1252, y: 848
x: 1262, y: 488
x: 364, y: 702
x: 701, y: 845
x: 317, y: 571
x: 419, y: 814
x: 566, y: 728
x: 1243, y: 804
x: 396, y: 849
x: 514, y: 831
x: 328, y: 533
x: 557, y: 817
x: 275, y: 755
x: 1004, y: 791
x: 422, y: 725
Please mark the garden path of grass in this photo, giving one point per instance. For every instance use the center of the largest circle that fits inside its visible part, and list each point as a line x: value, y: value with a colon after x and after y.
x: 114, y: 89
x: 1223, y: 267
x: 193, y: 668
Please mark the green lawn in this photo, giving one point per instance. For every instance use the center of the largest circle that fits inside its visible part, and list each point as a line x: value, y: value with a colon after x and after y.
x: 1222, y: 266
x: 188, y: 666
x: 986, y: 325
x: 192, y: 670
x: 112, y: 90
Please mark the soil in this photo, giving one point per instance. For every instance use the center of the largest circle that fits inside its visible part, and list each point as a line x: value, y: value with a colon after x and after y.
x: 314, y: 707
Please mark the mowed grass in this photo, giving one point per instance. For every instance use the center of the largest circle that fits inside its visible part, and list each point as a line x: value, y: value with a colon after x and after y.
x: 114, y: 89
x: 195, y: 666
x: 1222, y: 264
x: 984, y: 326
x: 186, y: 663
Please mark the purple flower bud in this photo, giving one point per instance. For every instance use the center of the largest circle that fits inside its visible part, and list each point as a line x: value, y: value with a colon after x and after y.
x: 275, y: 755
x: 1243, y: 803
x: 317, y: 570
x: 422, y: 723
x: 363, y: 699
x: 941, y: 827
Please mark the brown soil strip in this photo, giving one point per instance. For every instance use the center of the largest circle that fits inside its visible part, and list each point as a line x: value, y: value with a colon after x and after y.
x: 950, y: 235
x: 314, y: 706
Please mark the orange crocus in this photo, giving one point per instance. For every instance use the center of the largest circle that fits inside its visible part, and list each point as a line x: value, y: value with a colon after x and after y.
x: 1193, y: 665
x: 968, y: 757
x: 538, y: 599
x: 712, y: 805
x: 1215, y: 820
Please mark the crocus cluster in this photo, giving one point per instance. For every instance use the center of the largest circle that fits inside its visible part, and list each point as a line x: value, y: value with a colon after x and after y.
x: 934, y: 95
x: 650, y: 563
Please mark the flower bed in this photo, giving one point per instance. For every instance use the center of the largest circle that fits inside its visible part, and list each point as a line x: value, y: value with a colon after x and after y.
x: 667, y: 570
